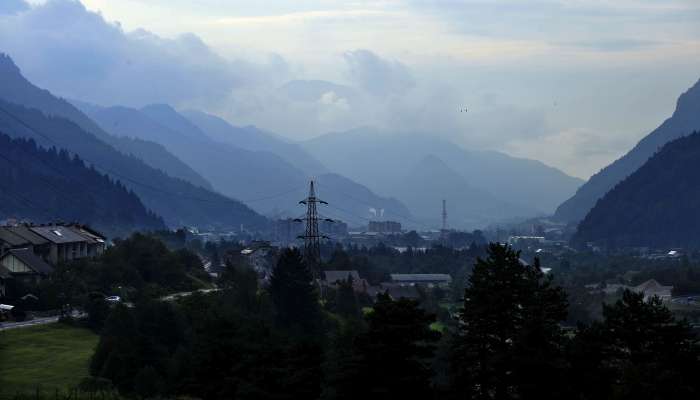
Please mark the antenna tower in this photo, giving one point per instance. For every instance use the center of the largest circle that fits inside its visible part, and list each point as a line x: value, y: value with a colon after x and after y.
x: 312, y: 237
x: 444, y: 216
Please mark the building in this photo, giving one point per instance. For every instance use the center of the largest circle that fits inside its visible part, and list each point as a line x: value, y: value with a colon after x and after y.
x: 4, y: 277
x: 649, y: 289
x: 429, y: 280
x: 23, y: 264
x: 653, y: 288
x: 29, y: 251
x: 333, y: 278
x: 395, y: 291
x: 70, y: 242
x: 21, y: 236
x: 387, y: 227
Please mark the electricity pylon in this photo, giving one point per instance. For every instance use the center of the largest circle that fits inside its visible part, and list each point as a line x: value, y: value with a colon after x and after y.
x: 312, y: 237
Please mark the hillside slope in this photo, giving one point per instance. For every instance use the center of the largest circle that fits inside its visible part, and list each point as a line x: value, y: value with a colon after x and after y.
x: 252, y: 138
x: 657, y: 206
x: 15, y: 88
x: 685, y: 119
x: 178, y: 202
x: 39, y: 185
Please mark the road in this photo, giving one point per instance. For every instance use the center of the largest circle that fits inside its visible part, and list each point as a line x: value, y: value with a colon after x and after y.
x: 54, y: 319
x: 36, y: 321
x: 176, y: 296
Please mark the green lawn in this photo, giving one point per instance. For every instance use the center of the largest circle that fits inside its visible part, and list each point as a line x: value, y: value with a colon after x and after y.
x: 53, y: 356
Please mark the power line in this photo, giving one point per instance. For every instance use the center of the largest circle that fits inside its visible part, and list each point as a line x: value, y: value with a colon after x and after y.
x: 145, y: 185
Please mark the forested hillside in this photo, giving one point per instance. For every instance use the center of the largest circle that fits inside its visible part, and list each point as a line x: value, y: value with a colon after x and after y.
x: 656, y: 206
x: 178, y: 202
x: 47, y: 185
x: 685, y: 119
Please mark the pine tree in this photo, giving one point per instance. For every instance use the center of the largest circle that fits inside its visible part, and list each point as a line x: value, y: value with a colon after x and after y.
x: 510, y: 344
x: 392, y: 359
x: 638, y: 351
x: 294, y: 295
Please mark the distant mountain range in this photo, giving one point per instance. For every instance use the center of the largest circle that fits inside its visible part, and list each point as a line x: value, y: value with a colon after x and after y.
x: 178, y: 162
x: 685, y: 119
x: 244, y: 163
x: 431, y: 180
x: 656, y: 206
x: 254, y: 139
x: 51, y: 185
x: 27, y: 111
x: 487, y: 179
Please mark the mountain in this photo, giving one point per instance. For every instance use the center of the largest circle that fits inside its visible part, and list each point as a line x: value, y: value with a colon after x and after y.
x: 269, y: 183
x: 352, y: 202
x: 233, y: 171
x: 39, y: 185
x: 15, y: 88
x: 431, y: 180
x: 177, y: 201
x: 657, y: 206
x: 252, y: 138
x: 379, y: 160
x: 685, y: 119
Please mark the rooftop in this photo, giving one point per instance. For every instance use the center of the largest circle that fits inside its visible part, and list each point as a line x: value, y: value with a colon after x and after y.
x: 335, y: 276
x: 34, y: 262
x: 421, y: 278
x: 59, y: 234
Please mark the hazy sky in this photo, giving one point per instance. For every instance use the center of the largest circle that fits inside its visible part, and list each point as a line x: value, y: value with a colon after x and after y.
x: 574, y: 83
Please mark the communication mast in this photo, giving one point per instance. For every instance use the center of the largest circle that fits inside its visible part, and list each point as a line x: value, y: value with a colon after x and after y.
x: 444, y: 216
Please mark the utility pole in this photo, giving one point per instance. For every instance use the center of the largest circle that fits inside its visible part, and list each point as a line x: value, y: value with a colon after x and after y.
x: 444, y: 216
x: 312, y: 237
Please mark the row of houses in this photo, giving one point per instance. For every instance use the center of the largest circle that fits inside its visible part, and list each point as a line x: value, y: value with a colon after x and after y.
x: 400, y: 285
x: 29, y: 252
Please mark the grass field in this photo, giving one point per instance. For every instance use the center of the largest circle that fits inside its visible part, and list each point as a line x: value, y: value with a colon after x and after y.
x: 52, y: 356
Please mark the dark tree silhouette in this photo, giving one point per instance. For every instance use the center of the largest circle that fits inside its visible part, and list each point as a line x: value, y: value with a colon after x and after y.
x: 510, y: 344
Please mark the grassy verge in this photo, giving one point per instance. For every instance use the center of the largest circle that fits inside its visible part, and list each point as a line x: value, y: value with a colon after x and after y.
x: 52, y: 357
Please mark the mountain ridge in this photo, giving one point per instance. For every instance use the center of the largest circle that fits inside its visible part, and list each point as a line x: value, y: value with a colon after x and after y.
x: 684, y: 120
x: 655, y: 206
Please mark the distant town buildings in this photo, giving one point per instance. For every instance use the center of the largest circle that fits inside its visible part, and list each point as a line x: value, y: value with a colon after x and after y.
x: 389, y: 227
x: 429, y: 280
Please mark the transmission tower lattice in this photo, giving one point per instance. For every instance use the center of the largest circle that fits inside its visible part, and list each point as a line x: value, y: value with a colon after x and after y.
x: 312, y: 236
x: 444, y: 216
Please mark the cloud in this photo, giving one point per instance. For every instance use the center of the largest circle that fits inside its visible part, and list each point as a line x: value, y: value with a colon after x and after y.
x: 377, y: 75
x: 612, y: 45
x: 580, y: 152
x: 11, y: 7
x: 75, y: 52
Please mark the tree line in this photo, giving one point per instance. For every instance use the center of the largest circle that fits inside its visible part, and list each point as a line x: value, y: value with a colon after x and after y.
x: 282, y: 341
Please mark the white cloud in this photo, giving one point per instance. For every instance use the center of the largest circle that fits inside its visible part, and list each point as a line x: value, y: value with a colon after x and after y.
x: 76, y: 53
x: 614, y: 67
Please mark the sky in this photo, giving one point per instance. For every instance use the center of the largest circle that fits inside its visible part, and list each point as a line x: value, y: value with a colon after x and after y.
x: 572, y: 83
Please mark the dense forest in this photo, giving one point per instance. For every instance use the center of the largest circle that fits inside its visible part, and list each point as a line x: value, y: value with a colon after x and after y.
x: 281, y: 342
x: 44, y: 185
x: 656, y: 206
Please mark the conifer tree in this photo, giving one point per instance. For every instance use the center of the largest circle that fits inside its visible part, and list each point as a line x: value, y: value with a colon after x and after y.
x: 509, y: 343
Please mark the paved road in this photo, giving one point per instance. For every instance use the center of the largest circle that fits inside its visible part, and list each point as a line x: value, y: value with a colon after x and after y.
x: 54, y: 319
x: 24, y: 324
x: 176, y: 296
x: 34, y: 322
